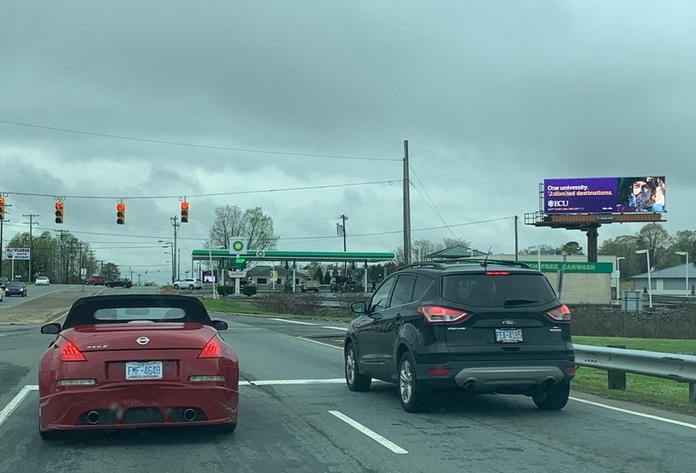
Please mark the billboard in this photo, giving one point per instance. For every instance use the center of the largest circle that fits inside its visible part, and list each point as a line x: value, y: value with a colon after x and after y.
x: 605, y: 195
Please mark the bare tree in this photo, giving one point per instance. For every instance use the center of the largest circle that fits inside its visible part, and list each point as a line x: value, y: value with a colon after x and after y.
x: 251, y: 224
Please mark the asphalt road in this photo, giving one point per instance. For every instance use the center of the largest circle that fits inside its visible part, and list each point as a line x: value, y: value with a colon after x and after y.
x: 296, y: 415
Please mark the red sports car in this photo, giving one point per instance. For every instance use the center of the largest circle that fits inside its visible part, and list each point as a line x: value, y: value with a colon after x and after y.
x: 137, y: 360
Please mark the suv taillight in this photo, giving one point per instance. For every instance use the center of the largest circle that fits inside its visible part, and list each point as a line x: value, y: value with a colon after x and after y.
x: 435, y: 314
x: 559, y: 314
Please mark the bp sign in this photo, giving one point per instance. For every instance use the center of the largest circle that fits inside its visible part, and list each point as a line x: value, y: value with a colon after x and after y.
x: 237, y: 246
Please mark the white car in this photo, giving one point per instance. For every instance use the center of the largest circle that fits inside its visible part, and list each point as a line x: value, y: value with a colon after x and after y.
x: 42, y: 281
x: 188, y: 283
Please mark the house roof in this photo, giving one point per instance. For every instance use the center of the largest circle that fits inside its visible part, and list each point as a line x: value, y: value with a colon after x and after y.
x: 458, y: 251
x: 673, y: 272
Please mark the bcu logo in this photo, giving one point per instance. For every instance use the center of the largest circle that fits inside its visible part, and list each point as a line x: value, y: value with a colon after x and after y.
x: 558, y: 203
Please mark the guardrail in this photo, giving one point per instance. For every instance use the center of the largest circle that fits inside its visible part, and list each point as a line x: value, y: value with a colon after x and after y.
x: 619, y: 361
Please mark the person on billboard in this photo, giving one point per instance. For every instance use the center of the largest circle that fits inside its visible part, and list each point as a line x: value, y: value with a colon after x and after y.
x: 642, y: 195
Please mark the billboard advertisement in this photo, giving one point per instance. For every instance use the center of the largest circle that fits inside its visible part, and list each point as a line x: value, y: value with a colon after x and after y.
x: 605, y: 195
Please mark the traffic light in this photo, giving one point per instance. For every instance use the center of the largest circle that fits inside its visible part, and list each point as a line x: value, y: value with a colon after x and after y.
x: 2, y: 208
x: 184, y: 212
x: 59, y: 212
x: 120, y: 213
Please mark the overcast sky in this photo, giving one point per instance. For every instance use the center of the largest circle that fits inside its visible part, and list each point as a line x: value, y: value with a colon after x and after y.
x: 493, y: 97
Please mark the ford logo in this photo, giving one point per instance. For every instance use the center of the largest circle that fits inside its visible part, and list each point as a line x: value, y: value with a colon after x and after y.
x: 509, y: 322
x: 142, y: 340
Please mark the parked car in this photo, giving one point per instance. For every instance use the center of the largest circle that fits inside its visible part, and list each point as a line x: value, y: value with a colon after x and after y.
x: 95, y: 281
x: 482, y: 326
x: 188, y: 283
x: 310, y: 285
x: 42, y: 281
x: 121, y: 282
x: 162, y: 355
x: 16, y: 288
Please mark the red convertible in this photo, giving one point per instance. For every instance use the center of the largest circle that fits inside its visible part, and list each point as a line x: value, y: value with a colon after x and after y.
x: 135, y: 360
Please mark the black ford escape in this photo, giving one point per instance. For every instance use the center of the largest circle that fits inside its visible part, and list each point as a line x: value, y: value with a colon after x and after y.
x: 483, y: 326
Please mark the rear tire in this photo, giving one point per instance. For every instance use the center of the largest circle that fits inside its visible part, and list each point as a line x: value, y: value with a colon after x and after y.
x: 191, y: 287
x: 553, y: 398
x: 176, y: 286
x: 354, y: 380
x: 413, y: 394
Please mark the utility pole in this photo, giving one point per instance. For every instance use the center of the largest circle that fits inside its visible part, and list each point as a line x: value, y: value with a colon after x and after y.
x: 407, y: 208
x: 343, y: 218
x: 176, y: 226
x: 31, y: 242
x: 2, y: 222
x: 59, y: 270
x: 516, y: 248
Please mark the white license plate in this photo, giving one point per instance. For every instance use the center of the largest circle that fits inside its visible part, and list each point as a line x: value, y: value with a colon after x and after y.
x: 143, y: 370
x: 508, y: 335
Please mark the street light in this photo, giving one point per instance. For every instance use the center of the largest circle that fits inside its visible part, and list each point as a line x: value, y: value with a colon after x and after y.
x: 686, y: 253
x: 618, y: 276
x: 647, y: 255
x: 169, y: 243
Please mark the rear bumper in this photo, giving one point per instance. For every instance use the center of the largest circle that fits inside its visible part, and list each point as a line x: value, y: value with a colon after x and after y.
x: 498, y: 377
x: 144, y: 406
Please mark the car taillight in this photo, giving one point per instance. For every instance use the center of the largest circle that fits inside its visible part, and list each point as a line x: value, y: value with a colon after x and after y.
x: 70, y: 352
x: 435, y: 314
x: 559, y: 314
x: 211, y: 349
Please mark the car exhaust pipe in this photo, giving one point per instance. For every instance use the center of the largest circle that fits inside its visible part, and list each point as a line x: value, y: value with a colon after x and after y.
x: 93, y: 417
x: 189, y: 415
x: 470, y: 385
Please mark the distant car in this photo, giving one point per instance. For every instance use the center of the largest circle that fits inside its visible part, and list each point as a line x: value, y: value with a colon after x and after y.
x: 125, y: 283
x: 137, y: 360
x: 42, y: 281
x: 15, y: 288
x: 95, y: 281
x: 188, y: 283
x: 3, y: 283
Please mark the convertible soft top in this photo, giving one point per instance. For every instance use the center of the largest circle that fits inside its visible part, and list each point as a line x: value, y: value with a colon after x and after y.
x: 83, y: 310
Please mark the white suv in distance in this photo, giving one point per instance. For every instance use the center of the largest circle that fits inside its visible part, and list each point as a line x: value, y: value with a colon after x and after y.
x: 188, y: 283
x: 42, y: 281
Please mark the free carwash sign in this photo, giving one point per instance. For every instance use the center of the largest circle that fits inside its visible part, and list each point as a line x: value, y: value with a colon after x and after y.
x: 571, y: 267
x: 17, y: 253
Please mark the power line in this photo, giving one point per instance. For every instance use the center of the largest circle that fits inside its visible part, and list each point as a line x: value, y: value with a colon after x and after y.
x: 432, y: 207
x: 194, y: 145
x: 285, y: 189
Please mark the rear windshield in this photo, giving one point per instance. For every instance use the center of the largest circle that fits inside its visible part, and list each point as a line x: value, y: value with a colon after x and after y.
x: 497, y: 290
x: 140, y: 313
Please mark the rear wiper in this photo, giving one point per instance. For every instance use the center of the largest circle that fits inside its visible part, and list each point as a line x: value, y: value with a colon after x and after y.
x: 509, y: 302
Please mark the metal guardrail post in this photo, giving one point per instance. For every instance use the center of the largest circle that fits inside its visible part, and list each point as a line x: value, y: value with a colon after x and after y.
x: 692, y: 393
x: 616, y: 379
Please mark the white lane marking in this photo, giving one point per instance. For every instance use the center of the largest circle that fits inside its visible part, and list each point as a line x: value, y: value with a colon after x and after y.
x: 320, y: 343
x: 9, y: 409
x: 639, y: 414
x: 342, y: 329
x: 373, y: 435
x: 288, y: 382
x: 292, y: 321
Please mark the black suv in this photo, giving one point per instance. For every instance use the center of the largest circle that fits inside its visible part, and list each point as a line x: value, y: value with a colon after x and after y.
x: 126, y: 283
x: 483, y: 326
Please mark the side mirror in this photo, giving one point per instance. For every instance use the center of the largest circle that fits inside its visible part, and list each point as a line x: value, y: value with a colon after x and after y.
x: 359, y: 307
x: 220, y: 325
x: 50, y: 329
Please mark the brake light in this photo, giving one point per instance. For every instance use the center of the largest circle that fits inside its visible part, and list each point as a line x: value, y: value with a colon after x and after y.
x: 497, y: 273
x: 211, y: 349
x: 435, y: 314
x: 70, y: 352
x: 559, y: 314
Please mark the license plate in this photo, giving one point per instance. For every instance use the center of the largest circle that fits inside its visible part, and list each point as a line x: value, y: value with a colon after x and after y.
x: 143, y: 370
x: 508, y: 335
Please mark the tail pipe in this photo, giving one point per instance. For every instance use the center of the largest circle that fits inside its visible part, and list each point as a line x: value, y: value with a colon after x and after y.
x: 93, y: 417
x: 469, y: 385
x: 189, y: 415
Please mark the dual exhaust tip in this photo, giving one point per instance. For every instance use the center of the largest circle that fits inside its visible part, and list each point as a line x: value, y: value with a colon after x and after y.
x: 93, y: 417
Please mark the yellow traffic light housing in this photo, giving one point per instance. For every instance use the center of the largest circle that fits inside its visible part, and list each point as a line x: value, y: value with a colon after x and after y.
x: 2, y: 208
x: 120, y: 213
x: 59, y: 212
x: 184, y: 212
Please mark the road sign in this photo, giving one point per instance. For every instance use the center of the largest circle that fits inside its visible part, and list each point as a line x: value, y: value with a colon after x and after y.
x: 238, y: 274
x: 238, y: 246
x: 17, y: 253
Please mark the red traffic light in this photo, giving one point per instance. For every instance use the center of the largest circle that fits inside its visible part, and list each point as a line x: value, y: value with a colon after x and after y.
x: 184, y: 205
x: 120, y: 213
x: 59, y: 212
x: 2, y: 201
x: 120, y: 207
x: 184, y: 212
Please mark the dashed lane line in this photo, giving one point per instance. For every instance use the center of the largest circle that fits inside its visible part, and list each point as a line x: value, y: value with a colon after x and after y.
x: 370, y: 433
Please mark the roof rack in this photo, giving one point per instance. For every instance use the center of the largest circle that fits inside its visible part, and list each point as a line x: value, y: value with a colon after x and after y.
x: 423, y: 264
x: 483, y: 262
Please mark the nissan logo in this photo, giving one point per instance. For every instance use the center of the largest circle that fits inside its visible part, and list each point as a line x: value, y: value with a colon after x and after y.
x: 509, y: 322
x: 142, y: 340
